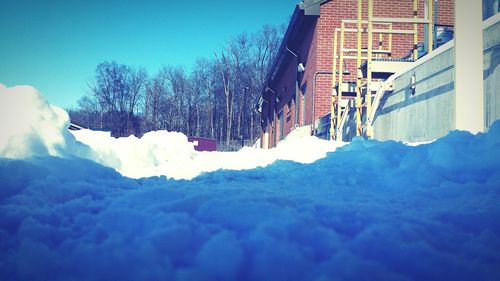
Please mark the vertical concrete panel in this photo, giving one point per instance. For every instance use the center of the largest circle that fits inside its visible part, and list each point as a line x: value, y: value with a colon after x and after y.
x: 491, y: 43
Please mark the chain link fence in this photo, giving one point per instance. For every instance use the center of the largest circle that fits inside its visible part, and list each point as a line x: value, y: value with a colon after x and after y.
x: 234, y: 145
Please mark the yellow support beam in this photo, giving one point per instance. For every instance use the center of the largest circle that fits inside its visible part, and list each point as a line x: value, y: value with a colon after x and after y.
x: 388, y: 31
x: 390, y: 40
x: 368, y: 100
x: 358, y: 67
x: 334, y: 91
x: 400, y: 20
x: 380, y: 42
x: 364, y: 51
x: 354, y: 58
x: 415, y: 28
x: 430, y: 33
x: 339, y: 94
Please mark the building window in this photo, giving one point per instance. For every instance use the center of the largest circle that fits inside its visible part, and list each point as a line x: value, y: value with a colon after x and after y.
x: 281, y: 125
x: 273, y: 135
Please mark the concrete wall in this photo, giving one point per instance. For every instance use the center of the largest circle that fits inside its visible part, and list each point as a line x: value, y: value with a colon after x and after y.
x: 491, y: 44
x: 429, y: 112
x: 422, y: 115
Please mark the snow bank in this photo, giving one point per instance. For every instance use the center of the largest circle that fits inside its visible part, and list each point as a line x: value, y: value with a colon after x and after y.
x: 170, y: 154
x: 32, y: 127
x: 305, y: 150
x: 36, y: 128
x: 368, y: 211
x: 155, y: 154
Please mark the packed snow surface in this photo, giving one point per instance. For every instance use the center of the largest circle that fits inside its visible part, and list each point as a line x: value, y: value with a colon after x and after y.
x: 367, y: 211
x: 170, y: 154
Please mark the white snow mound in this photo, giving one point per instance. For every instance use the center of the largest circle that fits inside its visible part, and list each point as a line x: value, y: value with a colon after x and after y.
x: 163, y: 153
x: 30, y: 126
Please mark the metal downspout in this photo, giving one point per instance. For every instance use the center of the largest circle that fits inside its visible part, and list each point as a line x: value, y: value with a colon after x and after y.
x: 319, y: 72
x: 296, y: 117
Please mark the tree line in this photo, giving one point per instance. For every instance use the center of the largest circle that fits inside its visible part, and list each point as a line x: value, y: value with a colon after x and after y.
x: 216, y: 99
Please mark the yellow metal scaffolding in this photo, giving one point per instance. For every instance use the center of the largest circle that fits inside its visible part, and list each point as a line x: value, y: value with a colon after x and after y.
x: 365, y: 85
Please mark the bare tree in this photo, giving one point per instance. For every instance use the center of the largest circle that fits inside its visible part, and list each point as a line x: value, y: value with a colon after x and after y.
x: 155, y: 93
x: 216, y: 99
x: 117, y: 88
x: 224, y: 68
x: 87, y: 113
x: 137, y: 80
x: 264, y: 50
x: 203, y: 84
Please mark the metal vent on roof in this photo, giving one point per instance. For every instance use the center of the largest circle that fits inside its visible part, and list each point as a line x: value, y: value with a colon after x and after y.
x: 311, y: 7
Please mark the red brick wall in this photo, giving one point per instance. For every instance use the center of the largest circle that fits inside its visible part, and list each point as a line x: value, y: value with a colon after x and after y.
x: 308, y: 76
x: 445, y: 12
x: 285, y: 89
x: 287, y: 80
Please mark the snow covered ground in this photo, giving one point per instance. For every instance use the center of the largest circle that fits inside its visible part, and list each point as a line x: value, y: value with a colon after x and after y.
x: 171, y: 155
x: 367, y: 211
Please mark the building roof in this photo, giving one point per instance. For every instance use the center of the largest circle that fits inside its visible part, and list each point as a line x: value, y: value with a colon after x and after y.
x: 311, y: 7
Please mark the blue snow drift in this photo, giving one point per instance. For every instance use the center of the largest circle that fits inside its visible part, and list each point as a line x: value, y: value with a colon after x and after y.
x: 369, y: 211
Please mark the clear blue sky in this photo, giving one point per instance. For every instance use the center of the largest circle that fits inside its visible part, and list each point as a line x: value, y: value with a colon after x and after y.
x: 55, y: 45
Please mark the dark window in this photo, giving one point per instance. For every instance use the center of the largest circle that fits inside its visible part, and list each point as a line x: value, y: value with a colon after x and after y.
x: 281, y: 125
x: 303, y: 90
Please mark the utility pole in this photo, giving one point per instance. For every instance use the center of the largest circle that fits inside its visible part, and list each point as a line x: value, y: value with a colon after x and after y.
x: 243, y: 115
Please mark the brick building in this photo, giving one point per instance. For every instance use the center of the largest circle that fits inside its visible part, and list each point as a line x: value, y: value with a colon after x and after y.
x: 298, y: 87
